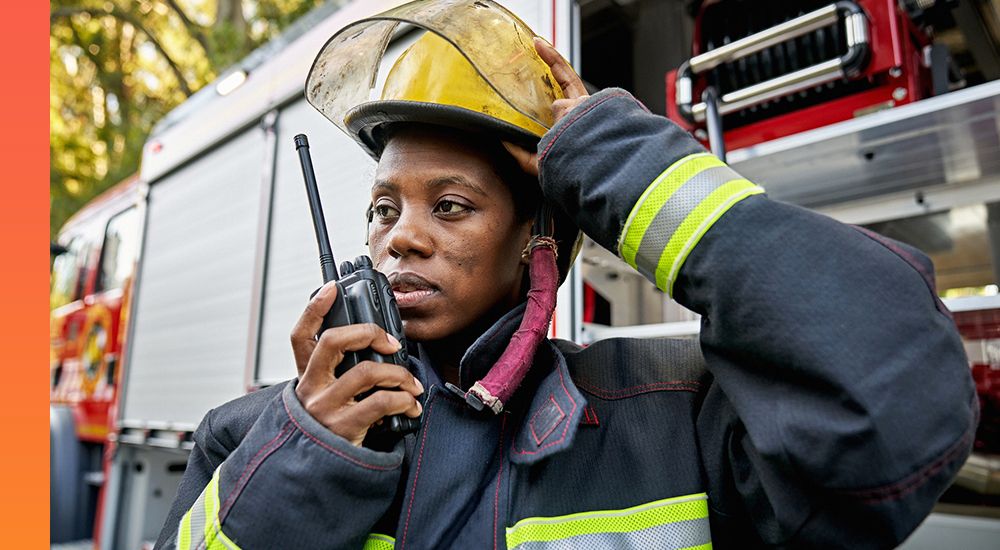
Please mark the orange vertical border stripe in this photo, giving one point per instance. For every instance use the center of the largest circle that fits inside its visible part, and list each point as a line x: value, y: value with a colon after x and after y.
x: 24, y: 209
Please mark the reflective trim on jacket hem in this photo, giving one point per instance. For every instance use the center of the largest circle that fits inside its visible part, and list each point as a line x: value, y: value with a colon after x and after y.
x: 200, y: 527
x: 378, y: 541
x: 679, y: 522
x: 673, y: 213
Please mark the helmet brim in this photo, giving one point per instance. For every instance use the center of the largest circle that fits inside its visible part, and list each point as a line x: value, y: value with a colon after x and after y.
x: 368, y: 121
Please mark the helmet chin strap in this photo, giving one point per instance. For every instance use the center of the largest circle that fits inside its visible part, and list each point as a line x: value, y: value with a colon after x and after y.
x: 503, y: 379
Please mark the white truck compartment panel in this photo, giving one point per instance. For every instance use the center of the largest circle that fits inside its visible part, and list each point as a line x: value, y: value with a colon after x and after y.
x: 344, y: 174
x: 193, y: 301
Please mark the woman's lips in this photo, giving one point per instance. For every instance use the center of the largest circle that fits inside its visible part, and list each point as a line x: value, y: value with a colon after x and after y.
x: 410, y: 289
x: 412, y: 298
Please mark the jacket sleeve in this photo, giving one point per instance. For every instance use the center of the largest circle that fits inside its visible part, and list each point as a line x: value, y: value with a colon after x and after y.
x: 842, y: 404
x: 290, y: 483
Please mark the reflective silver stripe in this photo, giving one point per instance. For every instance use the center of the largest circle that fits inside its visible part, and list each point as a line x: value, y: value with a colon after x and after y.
x: 199, y: 528
x: 198, y: 519
x: 681, y: 534
x: 674, y: 212
x: 191, y: 533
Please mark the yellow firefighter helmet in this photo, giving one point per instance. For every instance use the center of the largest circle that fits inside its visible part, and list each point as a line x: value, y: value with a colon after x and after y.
x: 470, y: 65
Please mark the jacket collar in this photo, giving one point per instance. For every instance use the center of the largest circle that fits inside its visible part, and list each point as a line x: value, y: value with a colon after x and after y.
x: 548, y: 403
x: 484, y: 352
x: 553, y: 417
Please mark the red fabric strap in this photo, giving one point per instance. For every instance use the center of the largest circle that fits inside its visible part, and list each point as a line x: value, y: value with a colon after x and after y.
x: 508, y: 372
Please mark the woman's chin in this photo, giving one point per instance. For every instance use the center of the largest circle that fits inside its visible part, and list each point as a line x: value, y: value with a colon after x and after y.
x: 434, y: 329
x: 421, y: 330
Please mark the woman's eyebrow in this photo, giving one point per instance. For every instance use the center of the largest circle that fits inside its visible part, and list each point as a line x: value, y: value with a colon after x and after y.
x: 453, y: 179
x: 384, y: 185
x: 459, y: 180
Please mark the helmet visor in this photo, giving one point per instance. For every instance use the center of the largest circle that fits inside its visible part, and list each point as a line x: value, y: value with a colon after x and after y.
x: 496, y: 43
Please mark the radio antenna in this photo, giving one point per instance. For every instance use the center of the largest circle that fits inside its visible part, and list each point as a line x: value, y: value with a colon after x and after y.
x: 326, y: 261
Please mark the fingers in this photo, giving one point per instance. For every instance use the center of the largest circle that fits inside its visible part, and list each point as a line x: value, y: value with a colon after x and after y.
x: 567, y: 78
x: 335, y: 406
x: 353, y: 422
x: 329, y: 350
x: 562, y: 107
x: 527, y: 160
x: 303, y: 335
x: 367, y: 375
x: 385, y: 403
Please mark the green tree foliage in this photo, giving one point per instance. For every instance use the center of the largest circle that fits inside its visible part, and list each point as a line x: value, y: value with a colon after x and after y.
x: 118, y: 66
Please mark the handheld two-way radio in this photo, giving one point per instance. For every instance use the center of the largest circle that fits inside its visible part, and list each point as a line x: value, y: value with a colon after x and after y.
x: 363, y: 294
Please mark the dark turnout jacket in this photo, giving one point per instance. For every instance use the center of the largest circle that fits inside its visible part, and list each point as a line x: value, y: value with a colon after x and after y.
x: 827, y: 402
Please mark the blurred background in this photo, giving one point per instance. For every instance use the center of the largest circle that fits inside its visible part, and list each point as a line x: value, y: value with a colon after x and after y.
x: 117, y: 67
x: 182, y: 249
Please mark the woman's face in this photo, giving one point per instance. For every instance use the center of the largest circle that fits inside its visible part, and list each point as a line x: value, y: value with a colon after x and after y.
x: 446, y: 234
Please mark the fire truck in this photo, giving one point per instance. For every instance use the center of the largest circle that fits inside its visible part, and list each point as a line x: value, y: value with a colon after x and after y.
x: 881, y: 113
x: 91, y: 283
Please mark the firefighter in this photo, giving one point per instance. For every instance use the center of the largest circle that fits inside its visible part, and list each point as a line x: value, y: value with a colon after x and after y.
x: 827, y: 403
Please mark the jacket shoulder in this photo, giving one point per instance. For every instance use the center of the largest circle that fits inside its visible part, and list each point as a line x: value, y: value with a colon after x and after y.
x: 622, y: 367
x: 225, y: 426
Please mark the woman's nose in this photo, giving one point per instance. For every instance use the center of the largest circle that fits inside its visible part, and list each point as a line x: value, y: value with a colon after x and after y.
x: 410, y: 236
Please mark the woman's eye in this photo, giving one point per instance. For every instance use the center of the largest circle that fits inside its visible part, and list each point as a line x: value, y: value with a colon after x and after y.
x: 385, y: 211
x: 451, y: 207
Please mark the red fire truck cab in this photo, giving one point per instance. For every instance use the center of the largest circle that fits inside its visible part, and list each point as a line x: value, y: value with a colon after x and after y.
x: 92, y: 271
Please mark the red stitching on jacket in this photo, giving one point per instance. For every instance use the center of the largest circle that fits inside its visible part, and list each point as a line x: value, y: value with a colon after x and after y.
x: 913, y: 482
x: 249, y: 470
x: 416, y: 474
x: 909, y: 259
x: 541, y: 156
x: 672, y: 385
x: 643, y: 105
x: 562, y: 382
x: 341, y: 454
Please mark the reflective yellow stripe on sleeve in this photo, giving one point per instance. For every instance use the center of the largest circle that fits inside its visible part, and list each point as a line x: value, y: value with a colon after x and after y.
x: 679, y: 522
x: 673, y: 213
x: 199, y: 528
